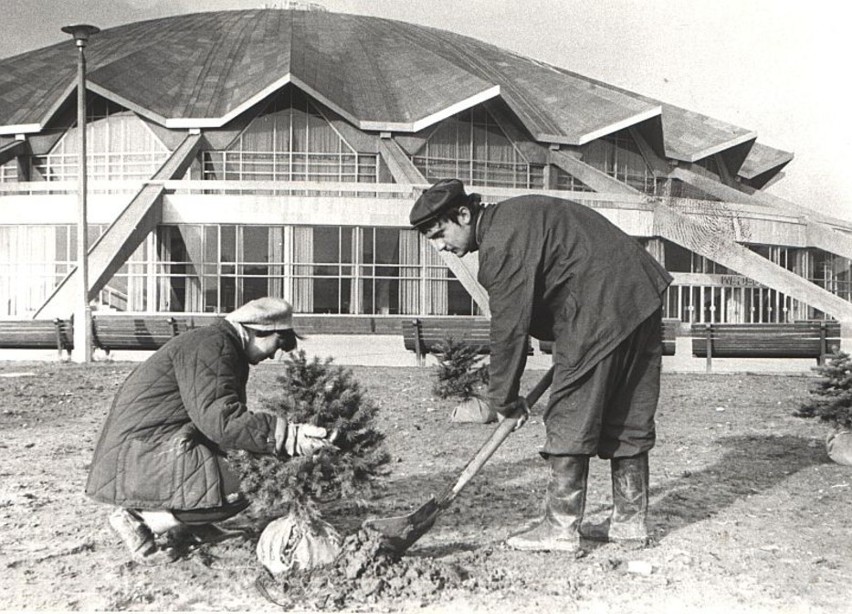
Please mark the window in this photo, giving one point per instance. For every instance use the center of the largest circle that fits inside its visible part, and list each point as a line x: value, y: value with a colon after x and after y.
x: 9, y: 172
x: 322, y: 270
x: 473, y: 147
x: 567, y: 181
x: 34, y: 259
x: 381, y: 274
x: 291, y: 140
x: 119, y: 147
x: 619, y: 157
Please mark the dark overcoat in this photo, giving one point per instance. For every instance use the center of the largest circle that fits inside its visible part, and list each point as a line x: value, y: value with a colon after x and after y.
x: 559, y: 271
x: 163, y: 441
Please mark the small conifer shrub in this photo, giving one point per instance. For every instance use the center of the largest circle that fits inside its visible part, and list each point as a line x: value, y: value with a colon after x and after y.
x: 831, y: 396
x: 319, y: 393
x: 461, y: 371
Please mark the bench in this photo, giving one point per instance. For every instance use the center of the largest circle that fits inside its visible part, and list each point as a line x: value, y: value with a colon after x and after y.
x: 37, y: 335
x: 427, y: 335
x: 670, y: 330
x: 769, y: 340
x: 186, y: 322
x: 133, y: 332
x: 310, y: 324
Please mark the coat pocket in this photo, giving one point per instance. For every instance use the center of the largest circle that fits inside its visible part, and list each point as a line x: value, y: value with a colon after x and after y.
x: 147, y: 475
x: 198, y: 472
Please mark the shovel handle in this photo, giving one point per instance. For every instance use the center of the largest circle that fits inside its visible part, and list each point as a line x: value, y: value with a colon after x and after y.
x: 494, y: 441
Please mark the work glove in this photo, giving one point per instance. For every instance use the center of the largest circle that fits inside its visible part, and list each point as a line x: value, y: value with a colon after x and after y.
x: 521, y: 411
x: 301, y: 439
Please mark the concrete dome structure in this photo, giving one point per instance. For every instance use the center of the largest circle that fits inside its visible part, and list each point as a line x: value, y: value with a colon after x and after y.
x: 244, y: 153
x: 204, y: 70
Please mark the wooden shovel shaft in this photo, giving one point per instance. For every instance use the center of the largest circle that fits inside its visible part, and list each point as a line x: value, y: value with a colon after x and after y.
x: 493, y: 442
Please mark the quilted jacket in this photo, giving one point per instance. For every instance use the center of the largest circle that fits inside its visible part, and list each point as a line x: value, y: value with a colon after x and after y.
x: 163, y: 441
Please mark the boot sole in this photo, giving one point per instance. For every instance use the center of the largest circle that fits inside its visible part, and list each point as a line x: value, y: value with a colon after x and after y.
x: 536, y: 547
x: 630, y: 544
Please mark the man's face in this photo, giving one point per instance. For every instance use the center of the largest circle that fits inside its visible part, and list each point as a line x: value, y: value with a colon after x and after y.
x: 454, y: 237
x: 264, y: 345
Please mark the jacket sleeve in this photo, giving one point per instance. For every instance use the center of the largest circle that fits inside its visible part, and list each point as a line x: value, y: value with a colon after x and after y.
x: 509, y: 279
x: 213, y: 391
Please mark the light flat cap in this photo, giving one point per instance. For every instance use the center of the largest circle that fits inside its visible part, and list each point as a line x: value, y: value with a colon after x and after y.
x: 266, y: 313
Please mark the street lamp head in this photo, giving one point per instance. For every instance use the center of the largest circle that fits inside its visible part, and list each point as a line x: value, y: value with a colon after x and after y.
x: 81, y: 33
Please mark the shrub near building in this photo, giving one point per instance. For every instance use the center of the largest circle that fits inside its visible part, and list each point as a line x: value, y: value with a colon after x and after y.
x: 831, y: 401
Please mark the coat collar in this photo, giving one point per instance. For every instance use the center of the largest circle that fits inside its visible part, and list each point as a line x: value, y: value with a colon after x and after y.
x: 241, y: 331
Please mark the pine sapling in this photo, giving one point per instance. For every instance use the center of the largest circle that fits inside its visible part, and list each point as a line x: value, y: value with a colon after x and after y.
x: 831, y: 396
x: 461, y: 371
x: 318, y: 393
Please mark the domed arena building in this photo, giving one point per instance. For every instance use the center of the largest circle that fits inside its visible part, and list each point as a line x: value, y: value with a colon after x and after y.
x: 238, y: 154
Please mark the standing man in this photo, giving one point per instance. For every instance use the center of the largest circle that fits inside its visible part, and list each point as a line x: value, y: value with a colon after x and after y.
x: 160, y: 457
x: 559, y: 271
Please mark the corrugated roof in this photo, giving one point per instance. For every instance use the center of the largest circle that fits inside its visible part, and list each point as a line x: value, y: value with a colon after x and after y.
x: 555, y: 106
x: 762, y: 159
x: 691, y: 136
x: 203, y: 69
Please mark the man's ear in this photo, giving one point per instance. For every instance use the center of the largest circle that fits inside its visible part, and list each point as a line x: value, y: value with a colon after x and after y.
x: 465, y: 216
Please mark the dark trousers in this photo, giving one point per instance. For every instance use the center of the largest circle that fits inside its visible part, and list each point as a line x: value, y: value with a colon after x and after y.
x: 609, y: 411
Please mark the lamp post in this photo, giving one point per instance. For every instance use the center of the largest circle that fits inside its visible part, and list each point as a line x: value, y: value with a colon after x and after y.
x: 82, y: 311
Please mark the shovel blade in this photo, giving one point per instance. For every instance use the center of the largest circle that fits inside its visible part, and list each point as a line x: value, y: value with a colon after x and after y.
x: 400, y: 532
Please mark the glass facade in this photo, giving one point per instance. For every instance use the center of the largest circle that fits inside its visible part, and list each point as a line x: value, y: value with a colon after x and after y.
x: 337, y: 267
x: 320, y: 269
x: 712, y: 293
x: 212, y: 268
x: 290, y: 140
x: 9, y: 172
x: 119, y: 146
x: 34, y: 259
x: 618, y: 156
x: 472, y: 147
x: 567, y: 181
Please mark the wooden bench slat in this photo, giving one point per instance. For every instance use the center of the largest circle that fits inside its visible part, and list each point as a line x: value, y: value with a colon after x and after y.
x: 37, y: 334
x: 133, y: 332
x: 427, y: 335
x: 764, y: 340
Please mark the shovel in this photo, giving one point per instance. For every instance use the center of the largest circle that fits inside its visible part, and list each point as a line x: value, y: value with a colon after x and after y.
x: 398, y: 533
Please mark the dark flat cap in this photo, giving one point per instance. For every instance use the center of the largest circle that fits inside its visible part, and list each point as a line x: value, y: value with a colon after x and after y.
x: 441, y: 196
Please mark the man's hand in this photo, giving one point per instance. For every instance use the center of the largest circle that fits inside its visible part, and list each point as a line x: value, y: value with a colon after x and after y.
x: 521, y: 412
x: 306, y: 440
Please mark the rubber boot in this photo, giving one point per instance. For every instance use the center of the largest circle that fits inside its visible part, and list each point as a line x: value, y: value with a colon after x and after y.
x: 564, y: 504
x: 628, y: 522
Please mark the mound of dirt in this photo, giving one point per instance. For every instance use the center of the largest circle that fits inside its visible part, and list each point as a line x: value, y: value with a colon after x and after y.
x: 364, y: 573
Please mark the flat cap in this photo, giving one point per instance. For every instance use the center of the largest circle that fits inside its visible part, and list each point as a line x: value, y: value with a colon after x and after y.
x: 267, y: 313
x: 441, y: 196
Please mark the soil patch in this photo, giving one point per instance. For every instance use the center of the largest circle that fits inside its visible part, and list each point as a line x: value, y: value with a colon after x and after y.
x: 747, y: 511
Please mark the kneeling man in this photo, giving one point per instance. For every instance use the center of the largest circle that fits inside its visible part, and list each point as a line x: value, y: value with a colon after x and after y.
x: 160, y: 457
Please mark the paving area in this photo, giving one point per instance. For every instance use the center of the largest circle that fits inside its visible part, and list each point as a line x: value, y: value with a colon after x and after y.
x: 388, y: 351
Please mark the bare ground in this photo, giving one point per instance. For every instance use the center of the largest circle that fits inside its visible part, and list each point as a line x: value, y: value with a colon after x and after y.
x: 748, y: 512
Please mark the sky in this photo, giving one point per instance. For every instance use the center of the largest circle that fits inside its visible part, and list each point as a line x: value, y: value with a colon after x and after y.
x: 772, y: 66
